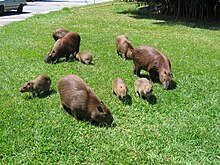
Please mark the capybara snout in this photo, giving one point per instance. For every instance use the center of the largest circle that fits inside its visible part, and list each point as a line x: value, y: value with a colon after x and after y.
x: 165, y: 78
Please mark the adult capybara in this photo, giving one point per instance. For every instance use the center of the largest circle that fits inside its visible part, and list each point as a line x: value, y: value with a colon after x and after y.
x: 119, y: 88
x: 143, y: 87
x: 81, y: 101
x: 64, y: 47
x: 156, y: 63
x: 124, y: 47
x: 37, y: 86
x: 59, y: 33
x: 84, y: 57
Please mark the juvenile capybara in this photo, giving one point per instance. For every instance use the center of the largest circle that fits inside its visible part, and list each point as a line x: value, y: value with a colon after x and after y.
x: 80, y: 100
x: 84, y: 57
x: 64, y: 47
x: 124, y: 47
x: 59, y: 33
x: 143, y: 87
x: 37, y: 86
x: 156, y: 63
x: 119, y: 88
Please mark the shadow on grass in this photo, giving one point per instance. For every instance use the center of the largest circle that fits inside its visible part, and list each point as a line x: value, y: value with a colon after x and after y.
x: 95, y: 123
x: 152, y: 99
x: 127, y: 100
x: 42, y: 95
x: 172, y: 21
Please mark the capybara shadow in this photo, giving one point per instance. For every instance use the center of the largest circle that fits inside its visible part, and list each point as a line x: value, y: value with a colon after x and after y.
x: 173, y: 85
x: 127, y: 100
x: 152, y: 99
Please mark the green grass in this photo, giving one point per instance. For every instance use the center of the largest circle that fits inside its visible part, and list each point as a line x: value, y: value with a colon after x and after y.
x: 181, y: 128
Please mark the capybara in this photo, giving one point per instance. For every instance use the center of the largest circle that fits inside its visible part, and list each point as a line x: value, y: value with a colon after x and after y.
x: 143, y: 87
x: 119, y: 88
x: 80, y: 100
x: 84, y: 57
x: 64, y: 47
x: 124, y: 47
x: 156, y: 63
x: 37, y: 86
x: 59, y: 33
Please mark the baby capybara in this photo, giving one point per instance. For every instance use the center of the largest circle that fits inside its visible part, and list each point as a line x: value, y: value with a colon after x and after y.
x: 119, y: 88
x: 64, y: 47
x: 84, y: 57
x: 59, y: 33
x: 143, y: 87
x: 151, y: 60
x: 124, y: 47
x: 80, y: 100
x: 37, y: 86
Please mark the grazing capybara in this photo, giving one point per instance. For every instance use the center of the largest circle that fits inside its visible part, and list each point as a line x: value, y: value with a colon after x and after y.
x: 59, y: 33
x: 80, y: 100
x: 84, y: 57
x: 37, y: 86
x: 64, y: 47
x: 124, y: 47
x: 119, y: 88
x: 143, y: 87
x: 156, y: 63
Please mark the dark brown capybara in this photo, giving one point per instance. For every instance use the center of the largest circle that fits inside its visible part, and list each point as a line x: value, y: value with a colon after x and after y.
x: 64, y: 47
x: 156, y: 63
x: 59, y: 33
x: 119, y: 88
x: 80, y: 100
x: 84, y: 57
x: 143, y: 87
x: 37, y: 86
x: 124, y: 47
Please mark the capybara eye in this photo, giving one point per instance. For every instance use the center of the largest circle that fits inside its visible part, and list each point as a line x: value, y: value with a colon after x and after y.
x: 165, y: 72
x: 100, y: 109
x: 28, y: 84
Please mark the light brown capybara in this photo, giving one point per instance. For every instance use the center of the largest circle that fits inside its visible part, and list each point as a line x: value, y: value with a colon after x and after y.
x: 64, y: 47
x: 156, y: 63
x: 124, y: 47
x: 59, y: 33
x: 80, y: 100
x: 37, y: 86
x: 119, y: 88
x: 143, y: 87
x: 84, y: 57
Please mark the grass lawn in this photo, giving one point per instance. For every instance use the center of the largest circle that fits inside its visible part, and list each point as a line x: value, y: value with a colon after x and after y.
x: 182, y: 127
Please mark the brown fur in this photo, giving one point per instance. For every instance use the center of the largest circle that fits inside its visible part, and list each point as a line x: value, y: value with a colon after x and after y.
x: 157, y: 64
x: 59, y: 33
x: 119, y: 88
x: 64, y: 47
x: 37, y: 86
x: 84, y: 57
x: 81, y: 101
x: 143, y: 87
x: 124, y: 47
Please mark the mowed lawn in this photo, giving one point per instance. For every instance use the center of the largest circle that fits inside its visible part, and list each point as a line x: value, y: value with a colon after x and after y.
x: 180, y: 127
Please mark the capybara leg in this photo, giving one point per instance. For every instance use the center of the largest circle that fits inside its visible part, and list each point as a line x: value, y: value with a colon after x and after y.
x: 154, y: 76
x: 67, y: 57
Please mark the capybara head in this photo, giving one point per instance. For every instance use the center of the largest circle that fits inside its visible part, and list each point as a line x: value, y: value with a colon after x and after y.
x: 101, y: 114
x: 165, y: 78
x: 27, y: 87
x: 51, y: 56
x: 122, y: 92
